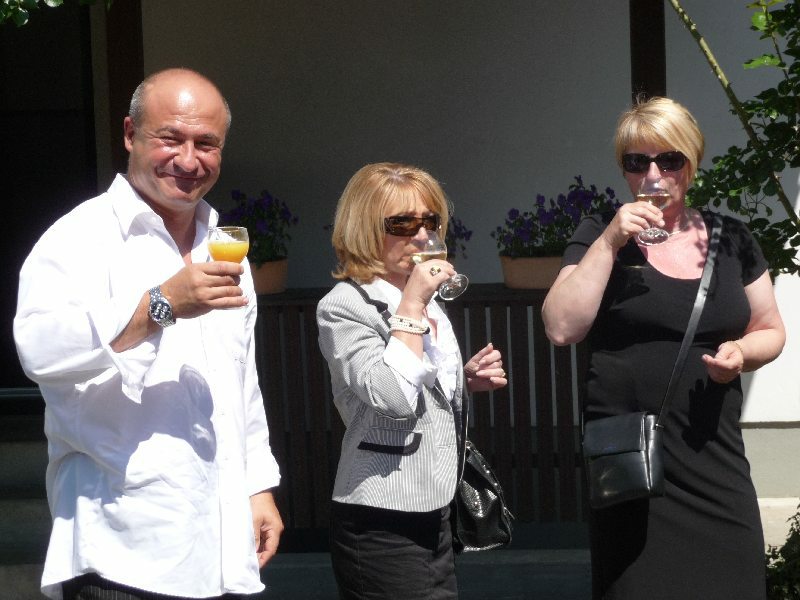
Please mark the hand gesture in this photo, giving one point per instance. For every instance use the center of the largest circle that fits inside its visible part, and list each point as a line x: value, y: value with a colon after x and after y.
x: 631, y: 218
x: 425, y: 279
x: 267, y: 526
x: 201, y: 287
x: 726, y: 364
x: 484, y: 371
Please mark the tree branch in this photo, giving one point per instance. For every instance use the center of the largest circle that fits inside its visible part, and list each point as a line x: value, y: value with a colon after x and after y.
x: 737, y: 106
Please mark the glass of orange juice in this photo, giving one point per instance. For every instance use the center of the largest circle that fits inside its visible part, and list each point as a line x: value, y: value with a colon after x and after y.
x: 228, y: 243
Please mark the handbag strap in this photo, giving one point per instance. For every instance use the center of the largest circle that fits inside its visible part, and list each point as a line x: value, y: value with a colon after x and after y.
x: 462, y: 448
x: 381, y: 307
x: 697, y: 309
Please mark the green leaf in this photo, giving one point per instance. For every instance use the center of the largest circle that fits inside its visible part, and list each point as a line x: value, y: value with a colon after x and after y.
x: 20, y: 17
x: 53, y: 3
x: 771, y: 188
x: 759, y: 223
x: 765, y: 60
x: 759, y: 21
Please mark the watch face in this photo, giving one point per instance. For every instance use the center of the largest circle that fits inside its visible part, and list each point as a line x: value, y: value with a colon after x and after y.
x: 160, y: 309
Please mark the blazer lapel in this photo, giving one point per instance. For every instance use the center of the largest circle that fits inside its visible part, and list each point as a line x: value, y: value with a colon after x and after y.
x: 376, y: 299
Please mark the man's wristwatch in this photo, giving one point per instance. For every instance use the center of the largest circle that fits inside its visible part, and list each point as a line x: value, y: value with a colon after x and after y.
x: 160, y: 309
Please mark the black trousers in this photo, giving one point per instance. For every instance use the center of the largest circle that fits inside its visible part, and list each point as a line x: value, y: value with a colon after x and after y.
x: 380, y: 554
x: 93, y: 587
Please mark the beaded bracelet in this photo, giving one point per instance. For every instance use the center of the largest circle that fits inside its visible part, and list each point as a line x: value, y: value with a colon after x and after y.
x: 407, y: 325
x: 738, y: 345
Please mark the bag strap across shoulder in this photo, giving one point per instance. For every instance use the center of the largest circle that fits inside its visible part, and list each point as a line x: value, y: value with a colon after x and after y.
x: 381, y: 307
x: 697, y: 309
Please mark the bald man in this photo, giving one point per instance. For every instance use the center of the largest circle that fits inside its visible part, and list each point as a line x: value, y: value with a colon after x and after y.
x: 160, y: 467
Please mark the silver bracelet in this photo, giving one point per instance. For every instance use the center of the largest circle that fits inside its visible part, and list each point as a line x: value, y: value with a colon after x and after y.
x: 408, y: 325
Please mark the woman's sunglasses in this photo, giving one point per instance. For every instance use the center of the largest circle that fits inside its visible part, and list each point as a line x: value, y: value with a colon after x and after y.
x: 666, y: 161
x: 406, y: 226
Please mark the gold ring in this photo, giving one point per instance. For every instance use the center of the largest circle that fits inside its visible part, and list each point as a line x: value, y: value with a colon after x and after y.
x: 435, y: 271
x: 503, y: 375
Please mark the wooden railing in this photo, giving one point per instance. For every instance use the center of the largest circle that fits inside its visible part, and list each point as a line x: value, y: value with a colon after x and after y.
x: 528, y: 430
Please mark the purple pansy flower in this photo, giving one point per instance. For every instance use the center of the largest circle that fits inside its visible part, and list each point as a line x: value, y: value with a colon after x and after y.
x: 548, y: 226
x: 267, y: 220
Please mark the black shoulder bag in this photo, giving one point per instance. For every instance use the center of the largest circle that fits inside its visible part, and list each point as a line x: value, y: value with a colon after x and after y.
x: 623, y: 454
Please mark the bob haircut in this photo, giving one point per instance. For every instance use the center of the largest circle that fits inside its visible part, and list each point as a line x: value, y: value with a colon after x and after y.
x: 358, y: 231
x: 660, y: 122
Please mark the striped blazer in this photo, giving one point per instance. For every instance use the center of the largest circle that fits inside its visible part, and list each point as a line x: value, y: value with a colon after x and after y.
x: 391, y: 458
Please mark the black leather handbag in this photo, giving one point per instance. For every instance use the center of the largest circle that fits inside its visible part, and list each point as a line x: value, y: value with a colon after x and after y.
x: 479, y: 517
x: 623, y: 454
x: 623, y: 458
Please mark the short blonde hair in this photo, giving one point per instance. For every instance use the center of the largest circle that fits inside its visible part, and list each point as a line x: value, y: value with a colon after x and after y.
x: 358, y: 231
x: 661, y: 122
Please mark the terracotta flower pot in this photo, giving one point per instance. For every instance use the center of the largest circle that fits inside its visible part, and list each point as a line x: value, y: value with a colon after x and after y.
x: 528, y: 273
x: 270, y: 277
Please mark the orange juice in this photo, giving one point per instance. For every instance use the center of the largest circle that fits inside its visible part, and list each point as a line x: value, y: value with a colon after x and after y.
x: 228, y: 250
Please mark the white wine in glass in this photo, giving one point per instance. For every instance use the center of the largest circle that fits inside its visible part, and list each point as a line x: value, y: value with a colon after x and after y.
x: 654, y: 193
x: 228, y: 243
x: 421, y: 257
x: 434, y: 247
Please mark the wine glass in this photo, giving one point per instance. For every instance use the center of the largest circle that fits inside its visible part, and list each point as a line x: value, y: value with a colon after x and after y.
x: 653, y: 191
x: 228, y: 243
x: 434, y: 247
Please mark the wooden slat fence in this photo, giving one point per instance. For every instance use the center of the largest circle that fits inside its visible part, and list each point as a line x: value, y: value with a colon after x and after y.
x: 529, y: 430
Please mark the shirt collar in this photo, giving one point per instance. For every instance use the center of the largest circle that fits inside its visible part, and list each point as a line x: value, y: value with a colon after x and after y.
x: 130, y: 208
x: 386, y: 291
x: 393, y: 295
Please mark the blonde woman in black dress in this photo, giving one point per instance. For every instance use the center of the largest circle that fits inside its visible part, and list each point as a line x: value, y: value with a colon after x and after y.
x: 632, y: 302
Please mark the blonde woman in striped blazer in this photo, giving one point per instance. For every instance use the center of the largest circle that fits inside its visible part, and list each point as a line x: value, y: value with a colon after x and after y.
x: 398, y: 383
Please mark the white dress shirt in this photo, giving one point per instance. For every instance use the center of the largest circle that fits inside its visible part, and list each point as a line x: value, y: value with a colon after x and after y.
x: 155, y: 451
x: 440, y: 356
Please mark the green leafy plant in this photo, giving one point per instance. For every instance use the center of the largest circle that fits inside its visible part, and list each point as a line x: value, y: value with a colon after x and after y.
x: 267, y: 220
x: 18, y: 11
x: 747, y: 179
x: 546, y: 229
x: 783, y: 565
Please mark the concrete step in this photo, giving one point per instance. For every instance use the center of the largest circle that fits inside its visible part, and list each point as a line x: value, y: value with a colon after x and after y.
x: 21, y: 582
x: 496, y: 575
x: 501, y: 574
x: 24, y: 530
x: 22, y: 469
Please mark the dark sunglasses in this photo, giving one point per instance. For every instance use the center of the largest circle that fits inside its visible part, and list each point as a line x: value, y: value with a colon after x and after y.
x: 406, y: 226
x: 666, y: 161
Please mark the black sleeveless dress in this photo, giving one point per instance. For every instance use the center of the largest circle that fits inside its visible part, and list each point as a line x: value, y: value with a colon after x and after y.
x: 703, y: 539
